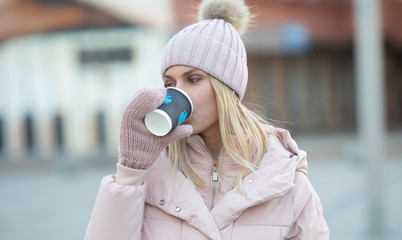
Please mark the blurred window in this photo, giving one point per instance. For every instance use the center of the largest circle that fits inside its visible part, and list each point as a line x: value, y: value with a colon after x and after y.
x: 56, y: 1
x: 1, y: 135
x: 58, y: 123
x: 101, y: 129
x: 394, y: 87
x: 307, y: 94
x: 105, y: 55
x: 29, y: 133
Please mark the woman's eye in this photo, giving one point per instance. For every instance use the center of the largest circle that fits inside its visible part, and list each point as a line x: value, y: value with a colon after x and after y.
x: 169, y: 85
x: 195, y: 79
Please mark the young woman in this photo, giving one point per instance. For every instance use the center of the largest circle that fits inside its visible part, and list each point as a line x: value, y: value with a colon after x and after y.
x: 224, y: 173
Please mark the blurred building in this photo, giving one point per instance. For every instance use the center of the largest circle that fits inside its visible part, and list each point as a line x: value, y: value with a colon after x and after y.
x: 301, y: 61
x: 67, y: 68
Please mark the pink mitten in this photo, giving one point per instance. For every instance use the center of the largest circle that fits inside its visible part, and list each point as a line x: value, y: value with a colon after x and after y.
x: 138, y: 147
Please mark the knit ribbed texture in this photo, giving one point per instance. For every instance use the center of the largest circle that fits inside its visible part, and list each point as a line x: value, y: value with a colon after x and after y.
x: 212, y: 46
x: 138, y: 147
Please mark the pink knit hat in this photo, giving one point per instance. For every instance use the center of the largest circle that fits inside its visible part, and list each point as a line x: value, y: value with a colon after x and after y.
x: 213, y: 45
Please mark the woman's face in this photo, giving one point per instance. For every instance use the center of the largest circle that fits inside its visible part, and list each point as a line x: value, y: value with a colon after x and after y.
x: 197, y: 85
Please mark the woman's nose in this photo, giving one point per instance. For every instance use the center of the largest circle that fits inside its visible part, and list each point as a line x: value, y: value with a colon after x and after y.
x: 184, y: 88
x: 181, y: 86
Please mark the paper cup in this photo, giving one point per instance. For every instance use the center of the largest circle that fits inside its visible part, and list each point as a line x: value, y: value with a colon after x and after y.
x: 175, y: 109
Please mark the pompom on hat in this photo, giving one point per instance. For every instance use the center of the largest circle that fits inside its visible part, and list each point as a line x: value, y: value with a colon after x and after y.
x: 213, y: 44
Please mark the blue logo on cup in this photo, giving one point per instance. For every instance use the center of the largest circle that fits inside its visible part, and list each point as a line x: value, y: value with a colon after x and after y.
x: 168, y: 99
x: 182, y: 117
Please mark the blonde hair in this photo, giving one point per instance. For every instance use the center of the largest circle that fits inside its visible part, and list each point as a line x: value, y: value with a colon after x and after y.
x: 244, y: 137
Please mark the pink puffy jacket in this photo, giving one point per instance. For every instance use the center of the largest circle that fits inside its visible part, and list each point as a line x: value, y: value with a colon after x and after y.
x: 278, y: 201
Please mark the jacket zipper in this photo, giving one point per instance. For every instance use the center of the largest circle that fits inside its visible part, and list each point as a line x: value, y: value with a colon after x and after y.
x: 214, y: 180
x: 214, y: 173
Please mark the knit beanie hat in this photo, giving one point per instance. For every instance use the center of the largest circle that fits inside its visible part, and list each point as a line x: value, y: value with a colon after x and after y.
x: 213, y: 44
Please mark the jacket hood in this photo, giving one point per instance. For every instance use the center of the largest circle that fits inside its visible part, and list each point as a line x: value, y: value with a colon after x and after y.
x: 280, y: 146
x: 289, y: 147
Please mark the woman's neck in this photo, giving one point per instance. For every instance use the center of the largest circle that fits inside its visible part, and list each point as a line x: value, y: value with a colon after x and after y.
x: 212, y: 139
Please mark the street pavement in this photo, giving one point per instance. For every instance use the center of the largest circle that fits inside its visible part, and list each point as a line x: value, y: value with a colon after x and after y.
x: 56, y: 203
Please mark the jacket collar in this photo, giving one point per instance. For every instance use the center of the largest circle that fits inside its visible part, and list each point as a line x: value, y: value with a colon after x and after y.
x: 181, y: 198
x: 263, y: 185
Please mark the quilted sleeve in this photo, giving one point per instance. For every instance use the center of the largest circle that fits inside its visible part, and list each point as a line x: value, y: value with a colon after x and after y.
x: 119, y: 206
x: 309, y: 222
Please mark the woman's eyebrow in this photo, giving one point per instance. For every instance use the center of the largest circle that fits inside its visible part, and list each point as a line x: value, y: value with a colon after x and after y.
x: 190, y: 71
x: 184, y: 74
x: 167, y: 76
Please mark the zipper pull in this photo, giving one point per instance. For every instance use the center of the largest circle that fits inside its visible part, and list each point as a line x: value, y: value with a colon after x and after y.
x: 214, y: 174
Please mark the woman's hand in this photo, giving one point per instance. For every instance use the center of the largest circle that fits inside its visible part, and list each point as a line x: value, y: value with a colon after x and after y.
x: 138, y: 147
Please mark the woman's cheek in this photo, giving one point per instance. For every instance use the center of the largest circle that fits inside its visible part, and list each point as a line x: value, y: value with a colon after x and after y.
x: 195, y: 123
